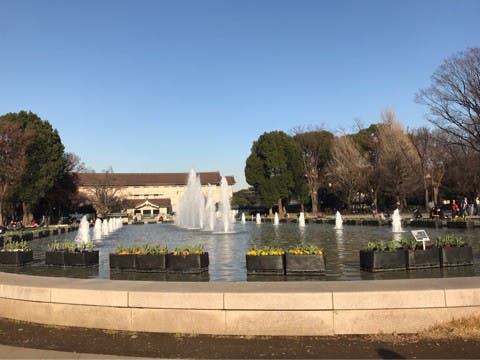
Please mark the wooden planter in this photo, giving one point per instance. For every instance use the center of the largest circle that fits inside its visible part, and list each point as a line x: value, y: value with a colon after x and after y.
x: 65, y: 258
x: 266, y: 265
x: 376, y: 261
x: 15, y: 257
x: 422, y: 259
x: 304, y: 264
x: 190, y: 264
x: 456, y: 256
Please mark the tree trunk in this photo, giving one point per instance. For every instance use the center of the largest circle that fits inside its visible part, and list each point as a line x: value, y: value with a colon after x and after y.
x: 314, y: 197
x: 426, y: 199
x: 436, y: 189
x: 27, y: 216
x: 280, y: 208
x: 1, y: 213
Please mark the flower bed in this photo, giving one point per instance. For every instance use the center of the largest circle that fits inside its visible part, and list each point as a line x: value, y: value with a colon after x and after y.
x: 15, y: 253
x: 382, y: 257
x: 453, y: 251
x: 188, y: 260
x: 69, y: 254
x: 306, y: 260
x: 145, y: 258
x: 265, y: 261
x: 419, y: 258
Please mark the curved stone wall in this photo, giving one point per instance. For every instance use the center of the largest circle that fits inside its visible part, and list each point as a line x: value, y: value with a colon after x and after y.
x: 250, y: 308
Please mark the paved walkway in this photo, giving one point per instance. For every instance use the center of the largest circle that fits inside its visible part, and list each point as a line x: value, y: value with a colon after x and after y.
x: 11, y: 352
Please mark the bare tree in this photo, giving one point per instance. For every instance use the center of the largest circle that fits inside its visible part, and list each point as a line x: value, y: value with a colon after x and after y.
x: 433, y: 155
x: 348, y: 171
x: 454, y: 98
x: 104, y: 194
x: 315, y: 146
x: 13, y: 160
x: 398, y: 161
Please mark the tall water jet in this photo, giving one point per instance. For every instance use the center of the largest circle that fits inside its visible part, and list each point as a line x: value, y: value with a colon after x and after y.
x: 97, y: 229
x: 301, y: 220
x: 396, y: 222
x: 105, y: 227
x: 209, y: 215
x: 83, y: 235
x: 275, y: 219
x: 191, y: 206
x: 243, y: 218
x: 224, y: 222
x: 338, y: 221
x: 258, y: 219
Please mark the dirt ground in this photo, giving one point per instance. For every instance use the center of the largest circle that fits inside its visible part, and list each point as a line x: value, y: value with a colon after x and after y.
x: 81, y: 340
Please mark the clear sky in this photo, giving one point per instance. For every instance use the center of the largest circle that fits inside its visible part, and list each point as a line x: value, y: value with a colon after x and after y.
x: 165, y: 86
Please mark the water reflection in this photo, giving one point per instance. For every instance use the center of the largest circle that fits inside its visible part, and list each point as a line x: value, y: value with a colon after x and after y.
x: 227, y: 251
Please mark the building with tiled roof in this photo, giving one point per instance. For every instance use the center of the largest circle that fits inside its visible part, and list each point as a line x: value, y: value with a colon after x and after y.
x: 151, y: 194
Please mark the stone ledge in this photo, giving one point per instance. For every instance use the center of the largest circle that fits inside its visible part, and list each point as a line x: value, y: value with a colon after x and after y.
x: 271, y: 309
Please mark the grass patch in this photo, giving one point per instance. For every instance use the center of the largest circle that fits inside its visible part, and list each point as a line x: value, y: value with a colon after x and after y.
x: 465, y: 328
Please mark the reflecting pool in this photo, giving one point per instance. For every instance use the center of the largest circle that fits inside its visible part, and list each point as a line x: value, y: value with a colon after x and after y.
x: 227, y: 251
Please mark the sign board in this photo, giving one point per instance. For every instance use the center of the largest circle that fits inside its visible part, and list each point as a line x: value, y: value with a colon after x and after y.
x: 421, y: 236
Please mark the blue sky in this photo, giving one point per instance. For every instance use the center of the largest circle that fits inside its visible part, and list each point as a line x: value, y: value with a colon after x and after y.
x: 165, y: 86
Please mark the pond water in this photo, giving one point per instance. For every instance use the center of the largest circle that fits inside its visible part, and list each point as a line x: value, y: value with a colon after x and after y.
x: 227, y: 251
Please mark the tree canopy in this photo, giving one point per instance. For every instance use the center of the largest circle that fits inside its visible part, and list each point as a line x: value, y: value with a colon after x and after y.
x: 45, y: 160
x: 274, y: 168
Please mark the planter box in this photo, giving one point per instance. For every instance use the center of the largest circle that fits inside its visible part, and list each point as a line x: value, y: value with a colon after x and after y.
x: 157, y: 263
x: 122, y: 262
x: 456, y: 256
x: 375, y: 261
x: 55, y: 258
x: 27, y: 236
x: 304, y: 264
x: 64, y: 258
x: 190, y: 264
x: 15, y: 257
x: 426, y: 223
x: 371, y: 222
x: 352, y: 222
x: 422, y: 259
x: 266, y: 265
x: 460, y: 224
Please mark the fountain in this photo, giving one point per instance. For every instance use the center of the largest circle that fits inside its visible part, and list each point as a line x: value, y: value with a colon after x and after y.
x: 97, y: 229
x: 338, y: 221
x: 243, y: 218
x: 396, y: 222
x: 191, y: 207
x: 83, y: 235
x: 193, y: 212
x: 224, y: 221
x: 209, y: 215
x: 258, y: 219
x: 105, y: 231
x: 275, y: 219
x: 301, y: 220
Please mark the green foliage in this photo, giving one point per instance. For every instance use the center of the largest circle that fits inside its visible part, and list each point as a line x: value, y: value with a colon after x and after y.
x: 274, y: 167
x: 189, y: 249
x: 450, y: 240
x: 408, y: 243
x: 144, y: 249
x: 15, y: 246
x: 382, y: 246
x: 70, y: 246
x: 244, y: 198
x: 45, y: 160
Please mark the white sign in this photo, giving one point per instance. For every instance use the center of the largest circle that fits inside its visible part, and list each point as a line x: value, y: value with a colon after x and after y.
x: 421, y: 236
